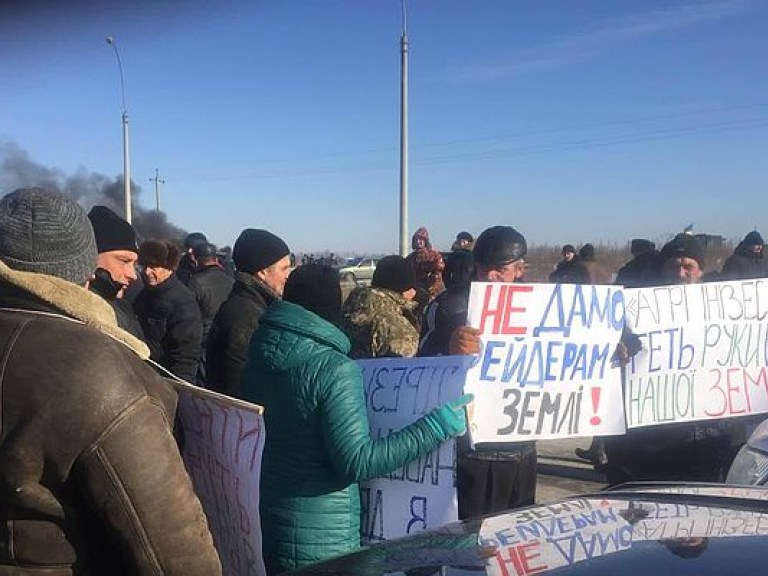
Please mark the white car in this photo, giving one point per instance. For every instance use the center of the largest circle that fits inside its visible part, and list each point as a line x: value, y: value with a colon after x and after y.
x: 359, y: 270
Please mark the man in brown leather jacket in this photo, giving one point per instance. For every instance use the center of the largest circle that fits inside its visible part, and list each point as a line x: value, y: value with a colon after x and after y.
x: 91, y: 480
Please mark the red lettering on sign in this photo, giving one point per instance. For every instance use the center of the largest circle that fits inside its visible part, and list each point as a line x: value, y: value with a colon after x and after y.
x: 499, y: 311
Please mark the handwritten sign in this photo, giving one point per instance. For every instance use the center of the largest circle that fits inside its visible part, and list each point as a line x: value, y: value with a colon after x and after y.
x: 544, y: 369
x: 223, y: 440
x: 705, y: 352
x: 422, y: 494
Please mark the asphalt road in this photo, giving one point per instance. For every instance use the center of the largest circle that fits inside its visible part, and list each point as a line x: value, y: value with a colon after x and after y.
x: 561, y: 473
x: 550, y: 488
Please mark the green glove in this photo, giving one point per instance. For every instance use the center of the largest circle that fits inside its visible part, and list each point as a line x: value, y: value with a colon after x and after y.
x: 449, y: 419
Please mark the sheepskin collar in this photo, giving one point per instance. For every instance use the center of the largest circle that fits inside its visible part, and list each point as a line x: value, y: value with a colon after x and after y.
x: 71, y: 301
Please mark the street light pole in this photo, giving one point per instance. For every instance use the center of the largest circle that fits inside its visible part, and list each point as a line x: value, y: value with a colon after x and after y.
x: 404, y: 137
x: 126, y: 149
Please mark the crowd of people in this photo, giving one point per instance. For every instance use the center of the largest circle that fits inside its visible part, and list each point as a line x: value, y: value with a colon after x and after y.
x: 90, y: 472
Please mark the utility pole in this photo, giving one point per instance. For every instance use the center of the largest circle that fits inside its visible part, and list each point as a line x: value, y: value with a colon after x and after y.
x: 404, y: 137
x: 126, y: 138
x: 157, y: 182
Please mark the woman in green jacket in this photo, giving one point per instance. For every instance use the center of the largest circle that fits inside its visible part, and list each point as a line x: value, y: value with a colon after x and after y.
x: 318, y: 445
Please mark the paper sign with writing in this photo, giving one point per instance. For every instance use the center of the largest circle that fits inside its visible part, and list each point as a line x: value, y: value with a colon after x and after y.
x: 705, y: 352
x: 422, y: 494
x: 223, y: 440
x: 545, y: 366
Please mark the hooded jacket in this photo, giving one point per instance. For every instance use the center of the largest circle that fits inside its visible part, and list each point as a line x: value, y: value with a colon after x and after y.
x: 428, y: 264
x: 743, y: 263
x: 91, y: 479
x: 318, y: 444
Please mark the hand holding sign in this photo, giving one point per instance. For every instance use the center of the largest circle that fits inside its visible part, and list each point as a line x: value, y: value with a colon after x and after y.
x: 449, y: 419
x: 465, y: 340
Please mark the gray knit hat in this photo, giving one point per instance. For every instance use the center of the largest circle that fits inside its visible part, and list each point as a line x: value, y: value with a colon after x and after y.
x: 47, y: 233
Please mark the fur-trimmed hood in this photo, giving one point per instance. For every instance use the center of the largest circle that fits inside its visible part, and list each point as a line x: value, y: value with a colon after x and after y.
x: 74, y: 302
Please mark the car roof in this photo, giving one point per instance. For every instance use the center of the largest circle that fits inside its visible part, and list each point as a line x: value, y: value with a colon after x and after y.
x: 660, y: 528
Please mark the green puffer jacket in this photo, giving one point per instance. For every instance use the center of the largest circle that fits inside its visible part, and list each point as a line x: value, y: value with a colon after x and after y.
x: 318, y: 445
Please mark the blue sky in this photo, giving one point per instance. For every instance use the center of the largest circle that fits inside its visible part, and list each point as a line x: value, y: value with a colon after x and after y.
x: 572, y: 120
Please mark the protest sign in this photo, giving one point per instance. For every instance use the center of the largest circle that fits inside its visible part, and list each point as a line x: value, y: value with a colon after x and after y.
x: 541, y: 539
x: 705, y: 352
x: 422, y: 494
x: 223, y: 440
x: 545, y: 366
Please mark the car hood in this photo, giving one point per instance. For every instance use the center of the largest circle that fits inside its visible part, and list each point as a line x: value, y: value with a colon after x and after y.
x: 644, y: 529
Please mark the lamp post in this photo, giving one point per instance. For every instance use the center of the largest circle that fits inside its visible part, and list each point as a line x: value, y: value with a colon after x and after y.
x: 126, y: 151
x: 404, y: 138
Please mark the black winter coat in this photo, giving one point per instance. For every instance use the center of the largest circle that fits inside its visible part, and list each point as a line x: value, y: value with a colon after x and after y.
x: 641, y: 271
x: 126, y: 317
x: 231, y: 331
x: 210, y: 286
x: 172, y: 325
x: 742, y: 265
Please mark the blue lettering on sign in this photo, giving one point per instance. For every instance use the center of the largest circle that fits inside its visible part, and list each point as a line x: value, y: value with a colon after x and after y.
x: 418, y: 514
x: 533, y: 363
x: 372, y: 515
x: 599, y: 306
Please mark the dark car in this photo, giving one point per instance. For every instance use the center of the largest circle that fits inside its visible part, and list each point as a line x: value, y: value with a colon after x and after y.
x: 639, y: 529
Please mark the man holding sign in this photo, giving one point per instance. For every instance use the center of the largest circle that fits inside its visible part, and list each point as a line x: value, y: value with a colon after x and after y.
x: 494, y: 478
x: 678, y: 450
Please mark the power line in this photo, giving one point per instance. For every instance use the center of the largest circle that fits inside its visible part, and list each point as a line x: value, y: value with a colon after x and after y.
x: 544, y: 148
x: 524, y: 134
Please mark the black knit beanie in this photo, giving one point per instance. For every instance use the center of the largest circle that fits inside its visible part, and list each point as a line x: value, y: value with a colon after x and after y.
x: 587, y: 253
x: 641, y: 246
x: 316, y: 287
x: 753, y: 239
x: 111, y: 231
x: 683, y: 246
x: 498, y: 246
x: 256, y: 250
x: 47, y: 233
x: 394, y: 273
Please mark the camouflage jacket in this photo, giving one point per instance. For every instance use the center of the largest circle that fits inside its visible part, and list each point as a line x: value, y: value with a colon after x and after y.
x: 380, y: 322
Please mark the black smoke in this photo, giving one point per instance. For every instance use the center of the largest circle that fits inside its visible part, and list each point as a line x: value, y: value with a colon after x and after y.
x: 88, y: 188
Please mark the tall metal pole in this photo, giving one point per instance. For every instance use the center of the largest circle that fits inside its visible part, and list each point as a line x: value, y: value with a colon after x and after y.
x: 126, y: 147
x: 404, y: 137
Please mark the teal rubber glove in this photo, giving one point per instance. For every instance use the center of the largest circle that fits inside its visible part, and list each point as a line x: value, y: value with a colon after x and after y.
x: 449, y: 420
